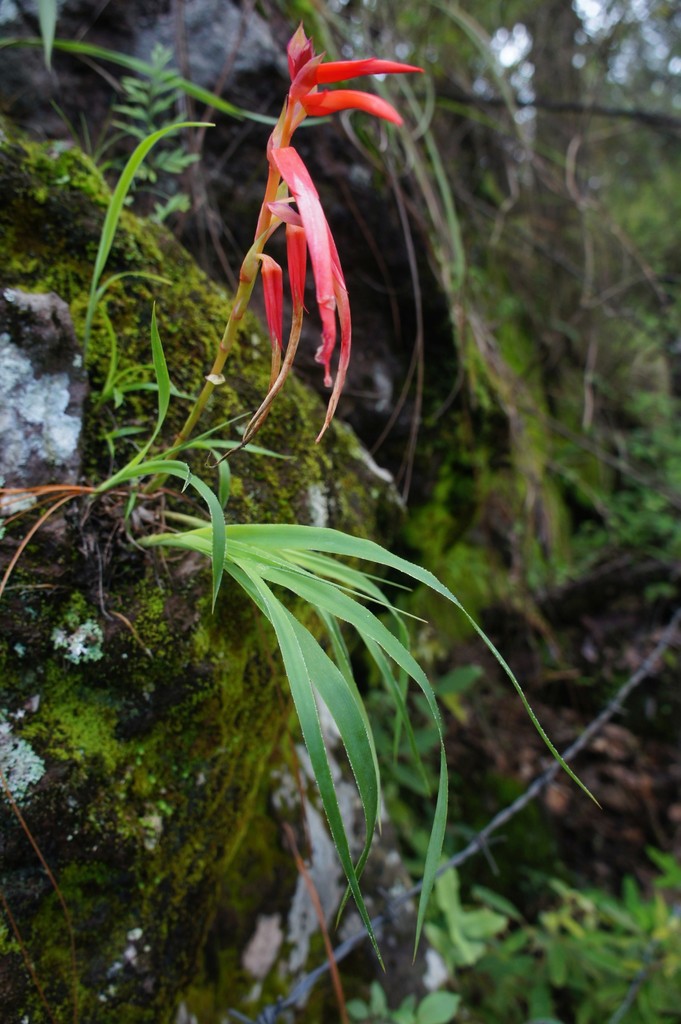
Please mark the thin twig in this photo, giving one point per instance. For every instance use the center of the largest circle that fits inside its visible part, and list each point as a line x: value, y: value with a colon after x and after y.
x: 636, y: 982
x: 25, y: 540
x: 652, y: 118
x: 319, y: 911
x: 27, y: 960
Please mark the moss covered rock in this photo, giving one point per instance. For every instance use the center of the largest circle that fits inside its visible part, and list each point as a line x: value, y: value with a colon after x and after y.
x: 135, y: 724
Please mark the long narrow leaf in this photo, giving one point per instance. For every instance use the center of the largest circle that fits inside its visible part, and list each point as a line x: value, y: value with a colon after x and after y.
x: 402, y: 719
x: 300, y: 681
x: 347, y: 710
x: 320, y: 594
x: 335, y: 542
x: 115, y: 208
x: 47, y: 19
x: 162, y: 375
x: 171, y: 467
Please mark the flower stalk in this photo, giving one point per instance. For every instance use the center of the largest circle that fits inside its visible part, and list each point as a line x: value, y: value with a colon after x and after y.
x: 289, y: 181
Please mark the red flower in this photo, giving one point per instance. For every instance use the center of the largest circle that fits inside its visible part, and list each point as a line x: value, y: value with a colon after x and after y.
x: 307, y: 72
x: 320, y: 103
x: 317, y: 234
x: 307, y: 226
x: 296, y: 254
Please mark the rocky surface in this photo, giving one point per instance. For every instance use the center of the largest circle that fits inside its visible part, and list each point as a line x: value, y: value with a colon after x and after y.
x: 42, y: 390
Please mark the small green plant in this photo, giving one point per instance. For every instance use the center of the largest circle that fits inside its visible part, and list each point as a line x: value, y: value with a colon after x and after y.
x: 642, y: 515
x: 435, y: 1008
x: 590, y: 959
x: 461, y: 935
x: 148, y: 106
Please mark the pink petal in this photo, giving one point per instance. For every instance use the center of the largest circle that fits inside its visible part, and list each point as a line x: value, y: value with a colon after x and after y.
x: 284, y: 211
x: 273, y: 287
x: 320, y: 103
x: 317, y: 232
x: 340, y: 70
x: 296, y: 250
x: 346, y: 343
x: 325, y: 350
x: 335, y: 262
x: 300, y: 50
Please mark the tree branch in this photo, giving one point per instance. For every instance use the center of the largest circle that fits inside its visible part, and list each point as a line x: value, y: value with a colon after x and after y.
x: 652, y: 118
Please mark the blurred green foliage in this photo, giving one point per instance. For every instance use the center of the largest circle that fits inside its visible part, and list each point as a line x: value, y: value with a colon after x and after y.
x: 435, y: 1008
x: 591, y: 958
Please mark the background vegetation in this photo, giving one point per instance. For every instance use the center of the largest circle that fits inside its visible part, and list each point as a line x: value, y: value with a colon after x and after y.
x: 532, y: 431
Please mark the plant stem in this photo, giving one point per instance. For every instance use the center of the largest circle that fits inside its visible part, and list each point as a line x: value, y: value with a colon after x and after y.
x: 290, y: 117
x: 247, y: 275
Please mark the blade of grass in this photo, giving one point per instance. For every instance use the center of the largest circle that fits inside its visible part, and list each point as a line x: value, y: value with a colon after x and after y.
x: 288, y: 634
x: 115, y: 209
x: 347, y: 710
x: 162, y: 376
x: 307, y: 538
x: 47, y: 19
x: 181, y: 470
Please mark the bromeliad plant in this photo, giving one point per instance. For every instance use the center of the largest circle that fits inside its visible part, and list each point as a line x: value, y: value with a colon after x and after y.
x: 307, y: 230
x: 304, y: 560
x: 307, y: 562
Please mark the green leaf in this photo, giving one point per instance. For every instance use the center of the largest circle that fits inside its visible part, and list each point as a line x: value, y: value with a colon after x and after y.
x: 496, y: 902
x: 357, y: 1009
x: 347, y: 710
x: 396, y: 692
x: 556, y: 962
x: 224, y: 481
x: 378, y: 1001
x: 333, y: 541
x: 323, y: 595
x: 405, y: 1013
x: 47, y: 19
x: 181, y: 470
x: 162, y: 376
x: 115, y: 208
x: 298, y: 669
x: 438, y: 1008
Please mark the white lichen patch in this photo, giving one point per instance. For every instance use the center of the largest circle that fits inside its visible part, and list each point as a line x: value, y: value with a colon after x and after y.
x: 318, y: 505
x: 84, y: 643
x: 436, y: 974
x: 34, y: 422
x: 20, y: 764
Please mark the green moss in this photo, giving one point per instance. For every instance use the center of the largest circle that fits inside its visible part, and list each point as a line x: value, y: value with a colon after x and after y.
x: 159, y: 760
